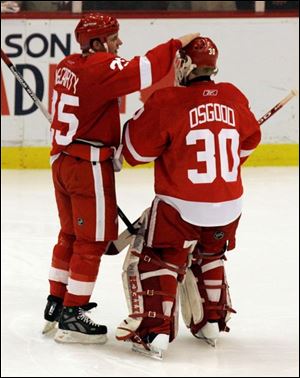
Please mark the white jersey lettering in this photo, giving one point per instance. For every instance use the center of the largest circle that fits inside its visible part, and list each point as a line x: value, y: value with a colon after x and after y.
x: 66, y: 78
x: 211, y: 112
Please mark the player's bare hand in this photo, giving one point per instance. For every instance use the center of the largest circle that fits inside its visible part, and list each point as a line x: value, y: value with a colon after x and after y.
x: 186, y: 39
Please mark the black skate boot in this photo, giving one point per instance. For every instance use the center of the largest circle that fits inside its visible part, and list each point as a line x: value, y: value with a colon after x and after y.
x: 52, y: 312
x: 76, y: 327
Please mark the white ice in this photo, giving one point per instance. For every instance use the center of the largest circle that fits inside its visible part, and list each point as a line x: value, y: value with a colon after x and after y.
x: 262, y: 273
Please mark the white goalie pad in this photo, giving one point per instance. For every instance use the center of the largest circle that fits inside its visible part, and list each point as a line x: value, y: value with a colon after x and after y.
x: 191, y: 301
x: 132, y: 282
x: 229, y: 303
x: 192, y: 304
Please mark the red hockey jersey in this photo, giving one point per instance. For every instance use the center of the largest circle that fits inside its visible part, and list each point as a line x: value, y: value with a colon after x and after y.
x: 198, y: 136
x: 86, y: 91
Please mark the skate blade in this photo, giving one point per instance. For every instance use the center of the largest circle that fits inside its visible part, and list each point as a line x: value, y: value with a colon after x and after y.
x: 211, y: 342
x: 152, y: 353
x: 63, y: 336
x: 48, y: 327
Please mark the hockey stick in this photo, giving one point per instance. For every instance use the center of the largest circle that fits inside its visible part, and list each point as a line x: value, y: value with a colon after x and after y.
x: 125, y: 237
x: 23, y: 83
x: 278, y: 106
x: 38, y: 103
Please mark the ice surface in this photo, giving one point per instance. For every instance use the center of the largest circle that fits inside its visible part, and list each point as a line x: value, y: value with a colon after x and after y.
x: 262, y: 273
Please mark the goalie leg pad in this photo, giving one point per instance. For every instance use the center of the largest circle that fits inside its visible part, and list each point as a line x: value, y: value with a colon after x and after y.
x: 132, y: 283
x: 205, y: 295
x: 150, y: 284
x: 208, y: 269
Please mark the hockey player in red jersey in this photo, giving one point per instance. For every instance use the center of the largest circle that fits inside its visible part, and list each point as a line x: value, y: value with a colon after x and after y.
x: 198, y: 135
x: 85, y: 137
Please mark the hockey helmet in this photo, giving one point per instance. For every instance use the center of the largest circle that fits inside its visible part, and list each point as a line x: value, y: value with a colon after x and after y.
x: 95, y: 25
x: 203, y: 52
x: 199, y: 56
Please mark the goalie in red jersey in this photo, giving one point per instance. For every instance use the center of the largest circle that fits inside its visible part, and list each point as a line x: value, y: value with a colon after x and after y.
x: 198, y: 135
x: 85, y: 136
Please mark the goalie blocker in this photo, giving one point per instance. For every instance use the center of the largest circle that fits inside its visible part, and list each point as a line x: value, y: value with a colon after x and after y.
x: 156, y: 262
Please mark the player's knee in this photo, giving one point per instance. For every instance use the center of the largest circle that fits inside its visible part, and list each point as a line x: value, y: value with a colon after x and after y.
x: 88, y: 248
x: 87, y: 256
x: 63, y: 250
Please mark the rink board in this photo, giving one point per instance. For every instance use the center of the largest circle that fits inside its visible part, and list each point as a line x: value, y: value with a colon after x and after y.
x: 38, y: 157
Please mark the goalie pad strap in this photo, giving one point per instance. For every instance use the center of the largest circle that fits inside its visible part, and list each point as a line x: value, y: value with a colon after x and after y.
x: 133, y: 337
x: 150, y: 314
x: 213, y: 286
x: 220, y: 307
x: 151, y: 293
x: 198, y: 255
x: 158, y: 262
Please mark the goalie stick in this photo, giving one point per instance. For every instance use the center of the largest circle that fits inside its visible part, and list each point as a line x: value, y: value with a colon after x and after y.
x: 278, y: 106
x: 38, y: 103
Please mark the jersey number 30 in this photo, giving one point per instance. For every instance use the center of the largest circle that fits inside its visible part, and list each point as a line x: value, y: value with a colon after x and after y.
x: 208, y: 155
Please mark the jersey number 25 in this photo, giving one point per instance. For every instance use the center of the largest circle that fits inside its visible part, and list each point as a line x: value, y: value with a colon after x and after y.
x: 68, y: 118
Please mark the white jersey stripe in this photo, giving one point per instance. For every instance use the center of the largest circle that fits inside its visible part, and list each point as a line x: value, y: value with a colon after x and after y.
x: 133, y: 152
x: 99, y: 193
x: 206, y: 214
x: 145, y: 72
x: 53, y: 158
x: 244, y: 153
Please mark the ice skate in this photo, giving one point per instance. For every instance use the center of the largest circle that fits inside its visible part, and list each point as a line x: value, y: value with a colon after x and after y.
x: 155, y: 349
x: 52, y: 313
x: 209, y: 333
x: 76, y: 327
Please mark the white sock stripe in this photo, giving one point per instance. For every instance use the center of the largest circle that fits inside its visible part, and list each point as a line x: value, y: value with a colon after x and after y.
x: 160, y: 272
x: 80, y: 287
x: 133, y: 151
x: 58, y: 275
x: 211, y: 265
x: 99, y: 194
